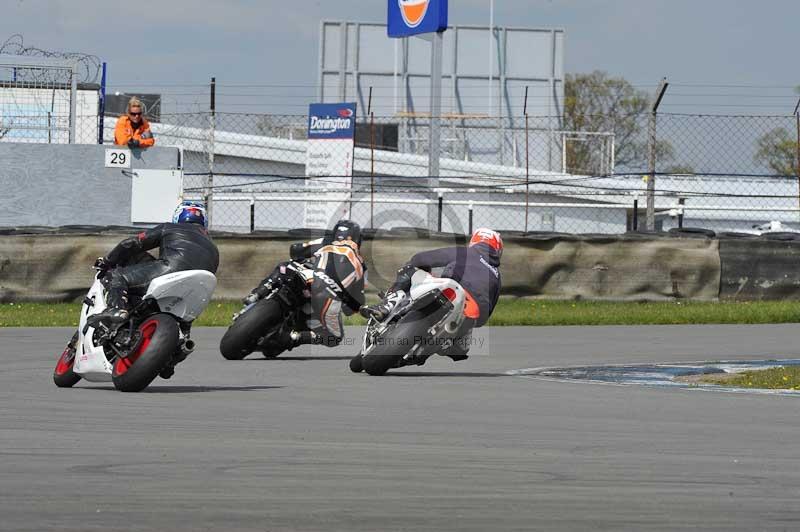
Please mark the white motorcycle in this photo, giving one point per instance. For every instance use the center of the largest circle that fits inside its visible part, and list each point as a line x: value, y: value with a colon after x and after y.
x: 421, y: 324
x: 132, y: 354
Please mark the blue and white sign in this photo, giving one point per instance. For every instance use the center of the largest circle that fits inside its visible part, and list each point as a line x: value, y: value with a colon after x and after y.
x: 329, y: 154
x: 332, y: 120
x: 413, y: 17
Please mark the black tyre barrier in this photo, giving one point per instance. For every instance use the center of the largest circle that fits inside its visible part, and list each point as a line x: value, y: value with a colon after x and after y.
x: 32, y: 230
x: 548, y: 235
x: 733, y: 234
x: 639, y: 235
x: 759, y: 268
x: 306, y: 234
x: 782, y: 236
x: 691, y: 232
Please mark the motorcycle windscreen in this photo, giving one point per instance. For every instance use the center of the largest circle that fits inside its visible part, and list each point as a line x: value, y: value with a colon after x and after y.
x: 185, y: 294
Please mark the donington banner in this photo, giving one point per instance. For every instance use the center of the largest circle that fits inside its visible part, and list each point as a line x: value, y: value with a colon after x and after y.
x: 329, y: 163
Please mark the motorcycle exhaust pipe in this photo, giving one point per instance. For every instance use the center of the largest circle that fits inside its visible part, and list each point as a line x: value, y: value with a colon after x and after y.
x: 188, y: 347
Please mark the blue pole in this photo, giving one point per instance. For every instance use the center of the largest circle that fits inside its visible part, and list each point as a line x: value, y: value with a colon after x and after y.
x: 102, y: 110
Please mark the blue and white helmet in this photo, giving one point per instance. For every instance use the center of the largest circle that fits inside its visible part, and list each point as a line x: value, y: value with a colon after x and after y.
x: 190, y: 212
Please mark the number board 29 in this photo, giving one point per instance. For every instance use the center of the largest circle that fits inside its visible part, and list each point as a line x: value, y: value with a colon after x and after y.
x: 118, y: 159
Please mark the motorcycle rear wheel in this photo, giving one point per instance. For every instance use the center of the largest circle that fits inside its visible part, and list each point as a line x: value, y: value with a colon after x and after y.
x: 153, y: 351
x: 241, y: 337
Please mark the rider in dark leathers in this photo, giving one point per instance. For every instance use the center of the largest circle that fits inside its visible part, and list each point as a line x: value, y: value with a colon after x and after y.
x: 183, y: 245
x: 338, y: 284
x: 476, y: 268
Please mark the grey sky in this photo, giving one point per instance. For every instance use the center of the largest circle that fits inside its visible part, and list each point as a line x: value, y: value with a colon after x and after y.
x: 749, y: 47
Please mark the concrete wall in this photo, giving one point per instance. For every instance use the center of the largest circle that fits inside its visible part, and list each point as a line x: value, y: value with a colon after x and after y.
x: 59, y: 184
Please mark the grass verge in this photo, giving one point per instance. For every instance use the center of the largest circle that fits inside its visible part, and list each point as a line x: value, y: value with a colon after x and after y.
x: 508, y: 312
x: 780, y: 378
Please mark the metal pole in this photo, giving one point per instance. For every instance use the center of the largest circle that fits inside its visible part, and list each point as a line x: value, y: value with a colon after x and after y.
x: 394, y: 78
x: 527, y: 160
x: 636, y: 214
x: 681, y: 201
x: 470, y: 207
x: 491, y: 54
x: 372, y: 161
x: 797, y: 168
x: 441, y: 208
x: 436, y: 110
x: 252, y: 215
x: 102, y: 107
x: 651, y: 181
x: 73, y: 103
x: 212, y: 119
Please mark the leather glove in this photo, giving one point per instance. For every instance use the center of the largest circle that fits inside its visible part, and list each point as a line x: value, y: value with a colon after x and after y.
x: 101, y: 264
x: 250, y: 299
x: 133, y: 144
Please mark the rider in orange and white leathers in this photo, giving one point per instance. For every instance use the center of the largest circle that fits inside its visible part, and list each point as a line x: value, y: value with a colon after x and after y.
x: 339, y: 274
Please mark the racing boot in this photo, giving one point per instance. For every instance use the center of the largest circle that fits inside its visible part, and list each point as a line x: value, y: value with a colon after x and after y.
x: 111, y: 315
x: 117, y: 310
x: 380, y: 311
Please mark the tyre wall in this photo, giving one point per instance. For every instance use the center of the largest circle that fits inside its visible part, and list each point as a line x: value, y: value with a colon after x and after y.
x: 48, y: 265
x: 760, y: 268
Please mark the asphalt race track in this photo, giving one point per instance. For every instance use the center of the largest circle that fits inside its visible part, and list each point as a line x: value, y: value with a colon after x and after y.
x: 300, y: 443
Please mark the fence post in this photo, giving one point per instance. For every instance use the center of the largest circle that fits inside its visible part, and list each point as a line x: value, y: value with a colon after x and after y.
x: 102, y: 110
x: 527, y: 160
x: 470, y: 207
x: 636, y: 213
x: 371, y: 162
x: 651, y: 181
x: 681, y: 202
x: 797, y: 167
x: 434, y: 133
x: 252, y: 214
x: 212, y: 124
x: 73, y: 104
x: 441, y: 208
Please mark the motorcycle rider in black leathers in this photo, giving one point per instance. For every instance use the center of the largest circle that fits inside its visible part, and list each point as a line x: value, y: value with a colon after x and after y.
x: 476, y: 268
x: 183, y: 245
x: 339, y: 273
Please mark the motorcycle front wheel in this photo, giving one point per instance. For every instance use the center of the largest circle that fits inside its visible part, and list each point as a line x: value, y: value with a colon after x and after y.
x: 242, y: 336
x: 357, y: 363
x: 63, y: 375
x: 157, y: 341
x: 398, y: 341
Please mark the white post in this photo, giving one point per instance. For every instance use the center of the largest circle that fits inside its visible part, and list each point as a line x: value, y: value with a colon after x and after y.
x: 73, y: 103
x: 491, y: 54
x: 435, y: 144
x: 394, y: 78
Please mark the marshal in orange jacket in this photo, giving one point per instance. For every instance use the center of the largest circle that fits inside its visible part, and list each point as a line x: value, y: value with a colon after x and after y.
x: 124, y: 132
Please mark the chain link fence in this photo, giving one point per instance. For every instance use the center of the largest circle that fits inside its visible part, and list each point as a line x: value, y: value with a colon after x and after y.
x: 48, y: 97
x: 722, y: 173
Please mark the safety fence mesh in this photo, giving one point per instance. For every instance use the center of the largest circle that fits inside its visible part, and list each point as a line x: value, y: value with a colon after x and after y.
x: 722, y: 173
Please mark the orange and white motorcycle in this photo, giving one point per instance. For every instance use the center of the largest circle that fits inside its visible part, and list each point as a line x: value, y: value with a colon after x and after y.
x: 423, y: 322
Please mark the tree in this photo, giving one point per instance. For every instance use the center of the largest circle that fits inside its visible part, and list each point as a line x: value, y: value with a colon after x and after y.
x: 595, y: 103
x: 777, y: 150
x: 678, y: 169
